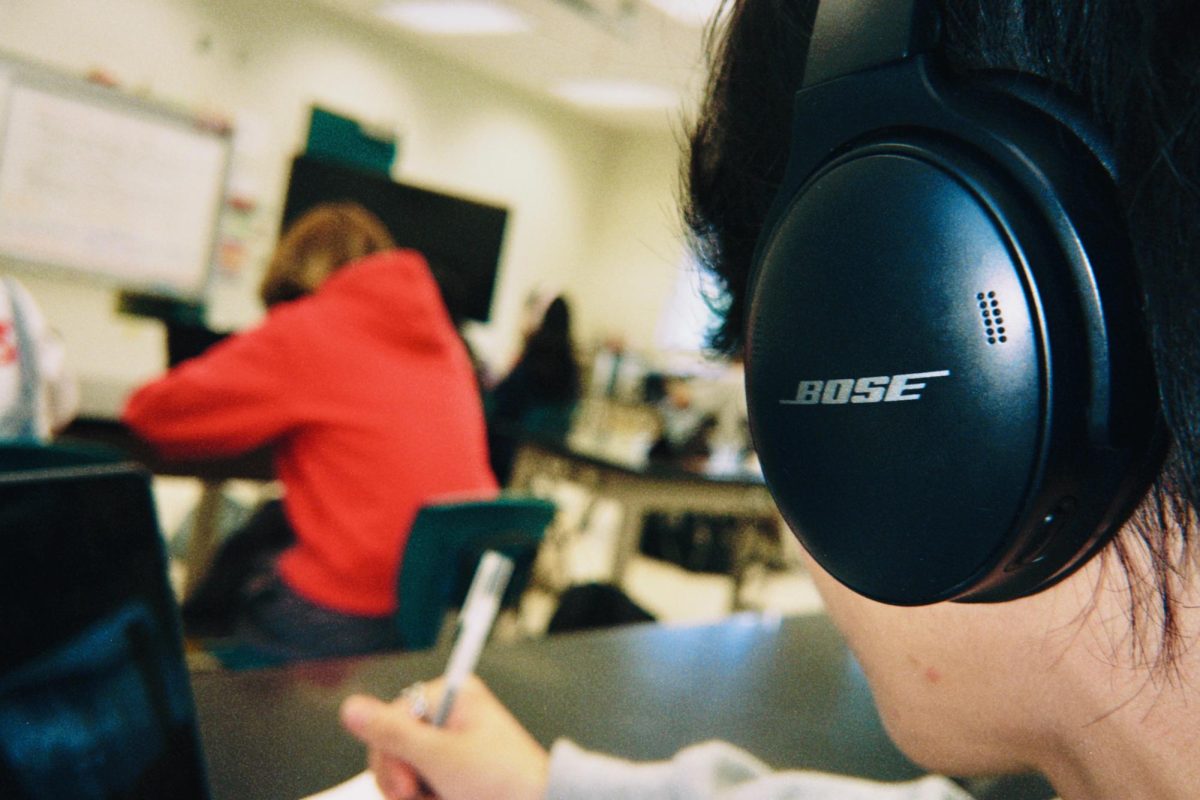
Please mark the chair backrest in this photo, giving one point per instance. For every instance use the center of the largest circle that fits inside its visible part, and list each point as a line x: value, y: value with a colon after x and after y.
x: 595, y: 605
x: 553, y: 419
x: 95, y: 700
x: 445, y: 545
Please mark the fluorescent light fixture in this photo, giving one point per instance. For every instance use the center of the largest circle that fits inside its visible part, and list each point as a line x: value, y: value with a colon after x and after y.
x: 617, y: 94
x: 454, y: 17
x: 690, y: 12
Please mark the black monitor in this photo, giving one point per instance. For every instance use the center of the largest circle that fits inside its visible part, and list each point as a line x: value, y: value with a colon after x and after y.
x: 95, y: 700
x: 460, y: 238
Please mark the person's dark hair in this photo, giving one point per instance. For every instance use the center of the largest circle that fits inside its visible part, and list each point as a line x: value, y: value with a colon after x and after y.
x: 549, y: 355
x: 1136, y: 68
x: 739, y: 145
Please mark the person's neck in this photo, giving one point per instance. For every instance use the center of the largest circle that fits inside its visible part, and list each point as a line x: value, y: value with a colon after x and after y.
x: 1128, y: 729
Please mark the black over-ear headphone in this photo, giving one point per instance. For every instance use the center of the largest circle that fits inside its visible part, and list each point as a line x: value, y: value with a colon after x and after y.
x: 949, y: 386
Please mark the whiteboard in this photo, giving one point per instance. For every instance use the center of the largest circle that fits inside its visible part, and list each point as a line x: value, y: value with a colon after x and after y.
x: 107, y: 187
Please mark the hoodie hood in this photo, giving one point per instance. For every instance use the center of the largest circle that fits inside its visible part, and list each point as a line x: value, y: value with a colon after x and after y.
x: 394, y: 294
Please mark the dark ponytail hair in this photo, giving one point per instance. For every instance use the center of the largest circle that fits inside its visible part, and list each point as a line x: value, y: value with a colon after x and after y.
x: 549, y: 355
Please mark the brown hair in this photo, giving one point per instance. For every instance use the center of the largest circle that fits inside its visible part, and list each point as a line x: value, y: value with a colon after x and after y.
x: 316, y: 245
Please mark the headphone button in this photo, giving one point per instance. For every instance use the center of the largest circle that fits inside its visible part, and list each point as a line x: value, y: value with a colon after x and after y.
x: 1047, y: 531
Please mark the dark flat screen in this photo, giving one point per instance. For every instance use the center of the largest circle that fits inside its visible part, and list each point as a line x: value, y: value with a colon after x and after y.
x: 95, y: 700
x: 460, y: 238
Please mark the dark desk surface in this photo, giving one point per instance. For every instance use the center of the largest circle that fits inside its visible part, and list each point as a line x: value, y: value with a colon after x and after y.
x: 594, y: 453
x: 255, y: 465
x: 786, y: 690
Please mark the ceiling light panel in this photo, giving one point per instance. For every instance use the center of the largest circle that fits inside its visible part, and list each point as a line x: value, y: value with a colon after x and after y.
x: 690, y: 12
x: 617, y: 94
x: 455, y: 17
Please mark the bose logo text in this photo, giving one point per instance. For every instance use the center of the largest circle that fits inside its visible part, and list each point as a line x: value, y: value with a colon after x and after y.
x: 881, y: 389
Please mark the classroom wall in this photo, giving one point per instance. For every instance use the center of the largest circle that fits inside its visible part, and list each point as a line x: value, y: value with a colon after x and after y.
x: 637, y: 249
x: 591, y: 207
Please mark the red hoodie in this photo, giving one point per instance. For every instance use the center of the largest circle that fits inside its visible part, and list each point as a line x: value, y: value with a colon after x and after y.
x: 368, y: 397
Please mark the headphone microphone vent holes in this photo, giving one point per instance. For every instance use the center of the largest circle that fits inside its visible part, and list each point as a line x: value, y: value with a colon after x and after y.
x: 992, y: 316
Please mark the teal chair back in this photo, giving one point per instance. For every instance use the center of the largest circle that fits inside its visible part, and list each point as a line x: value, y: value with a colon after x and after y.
x: 445, y: 545
x: 31, y: 458
x: 552, y: 420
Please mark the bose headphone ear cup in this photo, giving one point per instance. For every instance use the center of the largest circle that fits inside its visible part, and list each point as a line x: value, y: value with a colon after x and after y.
x: 1036, y: 92
x: 1124, y: 406
x: 930, y: 343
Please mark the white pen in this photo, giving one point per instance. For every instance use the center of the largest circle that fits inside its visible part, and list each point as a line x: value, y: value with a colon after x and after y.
x: 478, y: 613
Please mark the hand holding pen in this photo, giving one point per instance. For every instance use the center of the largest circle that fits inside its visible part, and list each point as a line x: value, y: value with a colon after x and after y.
x: 482, y: 751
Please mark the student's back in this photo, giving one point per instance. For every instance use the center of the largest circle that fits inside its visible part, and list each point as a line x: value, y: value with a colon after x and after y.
x: 359, y: 382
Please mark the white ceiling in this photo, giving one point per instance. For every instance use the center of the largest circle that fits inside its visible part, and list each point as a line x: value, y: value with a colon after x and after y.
x: 571, y: 40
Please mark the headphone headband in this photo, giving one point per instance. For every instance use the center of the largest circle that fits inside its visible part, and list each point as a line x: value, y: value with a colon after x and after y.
x: 850, y: 37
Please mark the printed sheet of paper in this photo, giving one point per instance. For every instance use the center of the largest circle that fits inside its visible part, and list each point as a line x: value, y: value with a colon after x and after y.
x: 360, y: 787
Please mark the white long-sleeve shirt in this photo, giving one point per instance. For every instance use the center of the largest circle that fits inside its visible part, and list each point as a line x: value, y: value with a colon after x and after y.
x: 38, y: 394
x: 717, y: 771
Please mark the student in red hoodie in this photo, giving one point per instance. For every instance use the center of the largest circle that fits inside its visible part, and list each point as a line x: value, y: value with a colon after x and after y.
x: 360, y: 383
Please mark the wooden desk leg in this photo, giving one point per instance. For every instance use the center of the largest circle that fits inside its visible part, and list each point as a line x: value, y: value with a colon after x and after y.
x: 525, y: 468
x: 629, y: 538
x: 202, y: 544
